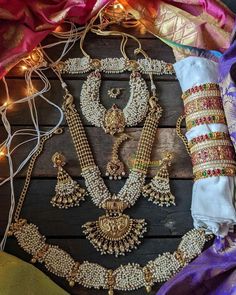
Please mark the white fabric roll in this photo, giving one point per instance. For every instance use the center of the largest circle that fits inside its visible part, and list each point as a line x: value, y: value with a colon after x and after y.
x: 213, y: 198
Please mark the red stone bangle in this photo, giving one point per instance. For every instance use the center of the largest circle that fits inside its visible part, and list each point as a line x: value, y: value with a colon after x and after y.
x: 220, y: 119
x: 209, y: 136
x: 222, y: 152
x: 215, y: 172
x: 200, y: 88
x: 203, y: 103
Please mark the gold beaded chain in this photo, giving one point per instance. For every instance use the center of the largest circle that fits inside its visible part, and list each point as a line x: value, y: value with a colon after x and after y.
x: 29, y: 172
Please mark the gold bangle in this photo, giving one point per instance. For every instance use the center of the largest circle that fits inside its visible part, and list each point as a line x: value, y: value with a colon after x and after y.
x: 195, y: 96
x: 203, y: 103
x: 200, y: 88
x: 210, y: 119
x: 208, y: 136
x: 212, y: 153
x: 215, y: 172
x: 210, y: 143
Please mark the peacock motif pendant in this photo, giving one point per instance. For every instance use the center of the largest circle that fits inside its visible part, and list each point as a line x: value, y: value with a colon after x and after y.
x: 115, y: 233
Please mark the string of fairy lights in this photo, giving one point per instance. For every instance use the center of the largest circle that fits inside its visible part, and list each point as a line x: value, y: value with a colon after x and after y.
x: 36, y: 64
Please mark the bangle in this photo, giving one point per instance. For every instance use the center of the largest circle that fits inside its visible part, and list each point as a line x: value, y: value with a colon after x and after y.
x: 215, y: 172
x: 197, y: 95
x: 209, y: 154
x: 218, y: 119
x: 208, y: 136
x: 200, y: 88
x: 203, y: 103
x: 210, y: 143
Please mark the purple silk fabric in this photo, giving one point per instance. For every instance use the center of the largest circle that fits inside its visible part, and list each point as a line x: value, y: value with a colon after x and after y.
x: 212, y: 273
x: 227, y: 81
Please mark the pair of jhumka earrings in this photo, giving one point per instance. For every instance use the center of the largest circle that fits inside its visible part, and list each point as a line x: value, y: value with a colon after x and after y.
x: 68, y: 193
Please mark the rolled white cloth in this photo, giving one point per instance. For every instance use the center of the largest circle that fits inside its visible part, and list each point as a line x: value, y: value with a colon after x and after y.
x: 213, y: 197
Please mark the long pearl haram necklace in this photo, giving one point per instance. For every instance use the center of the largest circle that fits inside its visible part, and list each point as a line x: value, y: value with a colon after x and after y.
x: 114, y: 233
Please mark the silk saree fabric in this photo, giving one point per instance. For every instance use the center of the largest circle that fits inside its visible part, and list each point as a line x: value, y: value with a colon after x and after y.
x: 191, y: 27
x: 212, y: 273
x: 227, y: 76
x: 21, y: 278
x: 24, y: 24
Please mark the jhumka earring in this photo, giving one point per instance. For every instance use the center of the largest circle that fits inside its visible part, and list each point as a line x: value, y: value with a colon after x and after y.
x: 158, y: 190
x: 68, y: 192
x: 115, y: 168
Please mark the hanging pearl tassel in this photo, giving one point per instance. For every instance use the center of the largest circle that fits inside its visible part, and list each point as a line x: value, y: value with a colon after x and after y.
x: 68, y: 192
x: 158, y: 190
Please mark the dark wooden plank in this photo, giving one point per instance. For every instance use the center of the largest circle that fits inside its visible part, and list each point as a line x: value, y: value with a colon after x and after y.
x: 100, y: 47
x: 172, y: 221
x: 169, y: 93
x: 166, y: 140
x: 80, y: 251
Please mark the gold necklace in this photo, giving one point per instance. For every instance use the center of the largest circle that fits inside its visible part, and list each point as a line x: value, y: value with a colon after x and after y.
x: 114, y: 233
x: 91, y: 275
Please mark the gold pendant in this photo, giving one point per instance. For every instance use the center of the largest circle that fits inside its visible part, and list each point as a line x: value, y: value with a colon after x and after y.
x: 115, y: 233
x: 114, y: 121
x: 115, y: 168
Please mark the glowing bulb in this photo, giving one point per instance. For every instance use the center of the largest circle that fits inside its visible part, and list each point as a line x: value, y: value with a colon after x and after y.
x: 3, y: 152
x: 118, y: 6
x: 24, y: 68
x: 7, y: 103
x: 58, y: 29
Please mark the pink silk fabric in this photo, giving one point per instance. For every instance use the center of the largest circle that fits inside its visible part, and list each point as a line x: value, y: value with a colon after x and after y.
x: 182, y: 24
x: 24, y: 24
x: 186, y: 24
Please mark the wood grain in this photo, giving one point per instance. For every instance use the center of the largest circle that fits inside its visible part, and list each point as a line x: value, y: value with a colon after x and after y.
x: 166, y: 140
x: 56, y: 222
x: 169, y: 97
x: 102, y: 47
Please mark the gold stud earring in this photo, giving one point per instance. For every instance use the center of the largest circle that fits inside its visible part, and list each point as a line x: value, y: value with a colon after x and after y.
x: 158, y: 190
x: 115, y: 168
x: 114, y: 92
x: 68, y: 192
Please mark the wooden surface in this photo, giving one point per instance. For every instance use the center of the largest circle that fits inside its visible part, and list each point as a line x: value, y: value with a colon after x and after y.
x: 63, y: 227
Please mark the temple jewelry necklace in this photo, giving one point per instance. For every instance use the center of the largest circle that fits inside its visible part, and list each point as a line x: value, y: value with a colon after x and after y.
x: 114, y: 120
x: 127, y: 277
x: 114, y: 232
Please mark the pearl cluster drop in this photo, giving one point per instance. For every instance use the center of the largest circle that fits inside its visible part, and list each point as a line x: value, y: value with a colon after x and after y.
x: 129, y: 277
x: 137, y: 106
x: 92, y: 275
x: 90, y: 104
x: 135, y: 110
x: 130, y: 192
x: 96, y: 186
x: 30, y: 239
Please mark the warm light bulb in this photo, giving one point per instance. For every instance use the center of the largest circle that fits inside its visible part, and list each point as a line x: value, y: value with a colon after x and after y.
x: 24, y: 68
x: 118, y: 6
x: 58, y: 29
x: 7, y: 103
x: 2, y: 152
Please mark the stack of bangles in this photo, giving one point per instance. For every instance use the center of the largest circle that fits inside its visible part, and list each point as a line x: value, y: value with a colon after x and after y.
x: 212, y: 153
